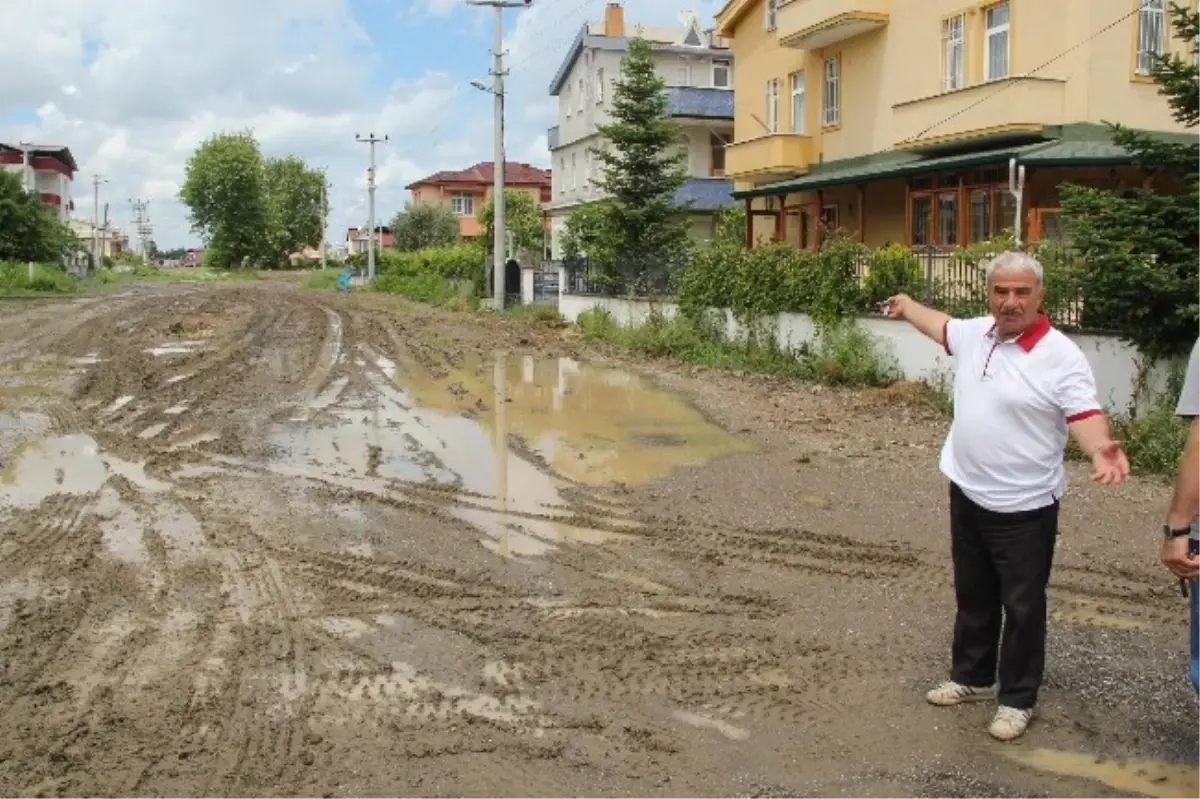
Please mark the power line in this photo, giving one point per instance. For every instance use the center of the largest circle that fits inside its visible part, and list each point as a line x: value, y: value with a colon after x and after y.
x: 1013, y: 80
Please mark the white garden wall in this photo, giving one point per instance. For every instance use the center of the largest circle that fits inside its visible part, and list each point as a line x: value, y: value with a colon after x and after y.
x: 1114, y: 362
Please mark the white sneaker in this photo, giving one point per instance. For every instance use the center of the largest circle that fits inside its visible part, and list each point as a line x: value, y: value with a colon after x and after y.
x: 952, y: 693
x: 1010, y: 723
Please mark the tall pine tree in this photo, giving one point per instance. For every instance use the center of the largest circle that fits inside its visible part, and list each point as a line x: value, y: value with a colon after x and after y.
x: 1141, y: 246
x: 641, y: 170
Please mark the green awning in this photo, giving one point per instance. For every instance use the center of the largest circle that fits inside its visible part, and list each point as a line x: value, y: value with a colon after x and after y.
x: 884, y: 167
x: 1078, y: 144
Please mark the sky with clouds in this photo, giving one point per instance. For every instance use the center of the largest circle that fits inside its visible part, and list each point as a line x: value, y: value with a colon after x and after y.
x: 133, y: 86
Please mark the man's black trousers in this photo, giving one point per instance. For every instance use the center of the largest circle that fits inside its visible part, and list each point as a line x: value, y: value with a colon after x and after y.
x: 1001, y: 562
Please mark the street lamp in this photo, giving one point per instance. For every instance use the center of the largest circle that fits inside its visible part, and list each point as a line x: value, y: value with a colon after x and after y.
x: 499, y: 236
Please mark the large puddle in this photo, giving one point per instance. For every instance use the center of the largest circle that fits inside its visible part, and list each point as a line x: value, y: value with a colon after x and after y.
x: 1145, y: 777
x: 578, y: 424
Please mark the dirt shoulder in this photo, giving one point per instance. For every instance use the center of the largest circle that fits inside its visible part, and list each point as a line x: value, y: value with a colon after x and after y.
x: 262, y: 541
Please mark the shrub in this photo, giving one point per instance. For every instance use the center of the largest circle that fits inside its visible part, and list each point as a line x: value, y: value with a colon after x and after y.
x: 845, y: 354
x: 431, y: 275
x: 15, y: 279
x: 893, y: 270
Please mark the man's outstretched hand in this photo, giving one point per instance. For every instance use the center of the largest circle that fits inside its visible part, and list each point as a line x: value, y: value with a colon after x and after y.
x: 1109, y: 464
x: 895, y: 307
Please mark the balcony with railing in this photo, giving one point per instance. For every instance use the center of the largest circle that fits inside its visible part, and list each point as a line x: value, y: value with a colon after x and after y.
x: 771, y: 157
x: 552, y: 137
x: 1026, y: 105
x: 814, y: 24
x: 690, y: 101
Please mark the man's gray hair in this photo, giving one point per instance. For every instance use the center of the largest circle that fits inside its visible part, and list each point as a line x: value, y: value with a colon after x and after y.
x: 1014, y: 261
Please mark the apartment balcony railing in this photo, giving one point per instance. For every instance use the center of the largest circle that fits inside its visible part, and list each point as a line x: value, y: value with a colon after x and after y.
x: 774, y: 156
x: 1027, y: 105
x: 552, y: 137
x: 814, y: 24
x: 689, y: 101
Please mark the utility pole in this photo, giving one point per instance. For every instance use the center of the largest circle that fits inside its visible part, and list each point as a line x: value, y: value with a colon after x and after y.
x: 97, y: 252
x: 25, y: 171
x: 372, y: 140
x: 499, y: 237
x: 141, y: 224
x: 324, y: 216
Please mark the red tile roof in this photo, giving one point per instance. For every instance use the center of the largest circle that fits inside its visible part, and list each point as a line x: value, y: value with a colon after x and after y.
x: 515, y: 174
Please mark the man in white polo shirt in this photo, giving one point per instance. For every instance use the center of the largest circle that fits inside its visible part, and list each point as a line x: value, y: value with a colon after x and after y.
x: 1019, y: 387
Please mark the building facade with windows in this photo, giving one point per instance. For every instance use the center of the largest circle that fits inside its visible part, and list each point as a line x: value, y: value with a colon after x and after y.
x: 47, y: 169
x: 697, y: 67
x: 896, y: 121
x: 465, y: 191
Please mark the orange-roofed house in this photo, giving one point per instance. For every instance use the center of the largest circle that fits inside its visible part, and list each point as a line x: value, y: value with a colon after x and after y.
x: 466, y: 190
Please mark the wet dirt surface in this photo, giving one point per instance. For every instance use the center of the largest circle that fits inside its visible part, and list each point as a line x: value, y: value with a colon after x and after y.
x: 263, y: 541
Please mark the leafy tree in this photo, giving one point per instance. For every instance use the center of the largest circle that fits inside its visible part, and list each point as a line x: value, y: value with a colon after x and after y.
x: 294, y: 214
x: 224, y: 189
x: 522, y: 219
x: 420, y: 226
x: 641, y: 171
x: 28, y: 230
x: 587, y: 233
x: 1142, y: 245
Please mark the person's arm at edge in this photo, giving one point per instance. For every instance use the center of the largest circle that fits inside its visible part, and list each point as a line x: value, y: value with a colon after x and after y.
x: 1185, y: 501
x: 929, y: 321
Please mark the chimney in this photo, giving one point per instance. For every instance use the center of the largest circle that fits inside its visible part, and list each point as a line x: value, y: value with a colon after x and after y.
x: 614, y: 21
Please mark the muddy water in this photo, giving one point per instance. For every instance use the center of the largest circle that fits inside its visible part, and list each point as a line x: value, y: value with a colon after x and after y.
x: 1145, y: 777
x: 506, y: 437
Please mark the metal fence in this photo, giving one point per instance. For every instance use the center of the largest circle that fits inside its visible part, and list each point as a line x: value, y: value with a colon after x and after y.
x: 947, y: 279
x: 956, y: 282
x: 633, y: 277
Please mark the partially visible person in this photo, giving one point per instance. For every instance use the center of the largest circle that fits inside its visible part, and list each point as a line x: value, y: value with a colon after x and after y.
x: 1019, y: 387
x: 1181, y: 532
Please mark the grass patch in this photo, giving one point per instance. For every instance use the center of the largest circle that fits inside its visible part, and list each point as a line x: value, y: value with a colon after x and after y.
x: 843, y: 355
x: 16, y: 281
x: 321, y: 279
x: 538, y: 315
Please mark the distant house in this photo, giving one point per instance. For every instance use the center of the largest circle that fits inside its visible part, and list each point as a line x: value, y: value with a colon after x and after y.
x: 48, y: 169
x: 697, y: 66
x: 465, y: 191
x: 357, y: 239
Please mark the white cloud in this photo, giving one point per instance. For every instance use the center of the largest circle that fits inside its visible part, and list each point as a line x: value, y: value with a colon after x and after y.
x: 133, y: 87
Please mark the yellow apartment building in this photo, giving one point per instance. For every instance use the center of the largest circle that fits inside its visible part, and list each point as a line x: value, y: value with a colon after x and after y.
x: 897, y: 120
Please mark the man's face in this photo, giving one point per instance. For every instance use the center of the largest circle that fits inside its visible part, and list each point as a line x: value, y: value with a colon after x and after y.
x: 1014, y: 298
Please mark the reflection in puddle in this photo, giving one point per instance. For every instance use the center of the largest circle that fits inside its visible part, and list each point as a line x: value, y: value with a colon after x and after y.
x: 589, y: 425
x: 1147, y: 777
x: 70, y: 464
x: 592, y: 425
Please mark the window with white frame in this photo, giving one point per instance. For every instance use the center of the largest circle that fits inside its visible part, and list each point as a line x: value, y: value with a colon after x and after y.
x: 995, y: 41
x: 462, y: 203
x: 581, y: 95
x: 600, y: 86
x: 771, y: 15
x: 799, y: 105
x: 587, y: 170
x: 574, y: 174
x: 773, y: 105
x: 831, y: 98
x: 954, y: 52
x: 722, y: 74
x: 1151, y: 34
x: 562, y: 174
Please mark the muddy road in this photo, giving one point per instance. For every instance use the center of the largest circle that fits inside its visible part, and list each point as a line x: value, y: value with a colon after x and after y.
x: 262, y: 541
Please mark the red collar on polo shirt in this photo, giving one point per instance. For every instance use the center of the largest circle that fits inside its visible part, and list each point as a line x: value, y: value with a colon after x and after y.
x: 1033, y: 334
